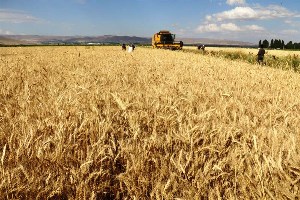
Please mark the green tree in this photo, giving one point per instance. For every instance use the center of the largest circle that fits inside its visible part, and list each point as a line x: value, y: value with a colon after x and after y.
x: 277, y: 44
x: 296, y: 45
x: 272, y: 44
x: 259, y: 44
x: 289, y: 45
x: 265, y: 43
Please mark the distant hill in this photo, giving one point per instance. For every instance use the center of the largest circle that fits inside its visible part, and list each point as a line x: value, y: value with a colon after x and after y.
x: 107, y: 39
x: 110, y: 39
x: 4, y: 40
x: 215, y: 42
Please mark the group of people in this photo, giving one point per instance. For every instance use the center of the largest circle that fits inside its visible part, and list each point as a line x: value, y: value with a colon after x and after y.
x: 260, y: 54
x: 132, y: 46
x: 201, y: 47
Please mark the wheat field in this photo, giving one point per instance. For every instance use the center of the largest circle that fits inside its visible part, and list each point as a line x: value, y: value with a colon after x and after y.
x: 271, y: 52
x: 101, y: 123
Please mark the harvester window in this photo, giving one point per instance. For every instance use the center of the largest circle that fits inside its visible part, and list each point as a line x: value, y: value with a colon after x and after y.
x: 167, y: 38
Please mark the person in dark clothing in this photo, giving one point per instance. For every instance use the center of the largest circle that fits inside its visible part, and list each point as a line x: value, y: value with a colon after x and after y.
x: 260, y: 55
x: 123, y: 47
x: 201, y: 47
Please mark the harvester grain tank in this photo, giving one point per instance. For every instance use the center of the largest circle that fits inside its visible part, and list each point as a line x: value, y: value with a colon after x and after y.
x: 165, y: 40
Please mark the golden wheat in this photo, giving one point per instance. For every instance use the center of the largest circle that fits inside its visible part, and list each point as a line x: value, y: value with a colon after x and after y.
x: 271, y: 52
x: 100, y: 123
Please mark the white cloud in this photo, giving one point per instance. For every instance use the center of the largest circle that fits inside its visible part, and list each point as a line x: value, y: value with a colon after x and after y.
x: 254, y: 28
x: 241, y: 21
x: 208, y: 28
x: 290, y: 32
x: 5, y: 32
x: 237, y: 13
x: 181, y: 31
x: 252, y: 13
x: 275, y: 11
x: 288, y: 21
x: 15, y: 16
x: 235, y: 2
x: 228, y: 27
x: 292, y: 23
x: 209, y: 18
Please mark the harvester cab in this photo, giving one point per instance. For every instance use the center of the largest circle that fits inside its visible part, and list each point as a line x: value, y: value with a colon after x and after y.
x: 165, y: 40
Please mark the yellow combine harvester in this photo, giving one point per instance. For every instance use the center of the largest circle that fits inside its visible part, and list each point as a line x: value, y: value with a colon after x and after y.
x: 165, y: 40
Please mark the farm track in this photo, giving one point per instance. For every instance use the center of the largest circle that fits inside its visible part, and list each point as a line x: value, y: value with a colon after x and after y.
x: 100, y: 123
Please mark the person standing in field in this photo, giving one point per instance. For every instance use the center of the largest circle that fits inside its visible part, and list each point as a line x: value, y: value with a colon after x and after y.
x: 201, y: 47
x: 123, y: 47
x: 261, y: 54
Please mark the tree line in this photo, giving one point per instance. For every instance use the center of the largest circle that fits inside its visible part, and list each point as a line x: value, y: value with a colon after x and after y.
x: 279, y: 44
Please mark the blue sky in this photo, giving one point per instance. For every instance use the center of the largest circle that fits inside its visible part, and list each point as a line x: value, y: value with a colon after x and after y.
x: 244, y: 20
